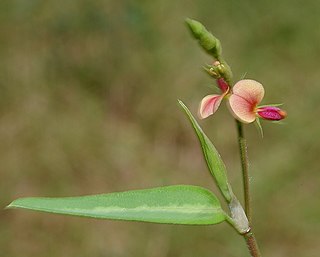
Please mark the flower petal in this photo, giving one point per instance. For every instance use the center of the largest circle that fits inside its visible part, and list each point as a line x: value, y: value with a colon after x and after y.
x: 209, y: 105
x: 250, y: 90
x: 223, y: 85
x: 242, y: 109
x: 271, y: 113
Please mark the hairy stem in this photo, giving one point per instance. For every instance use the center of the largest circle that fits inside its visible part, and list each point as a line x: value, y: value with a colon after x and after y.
x: 249, y: 237
x: 245, y: 169
x: 252, y: 244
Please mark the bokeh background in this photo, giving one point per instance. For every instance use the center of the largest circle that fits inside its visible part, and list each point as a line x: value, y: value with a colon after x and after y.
x: 88, y: 104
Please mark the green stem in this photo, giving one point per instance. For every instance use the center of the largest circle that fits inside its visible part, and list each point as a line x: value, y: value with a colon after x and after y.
x: 252, y: 244
x: 245, y: 169
x: 249, y: 237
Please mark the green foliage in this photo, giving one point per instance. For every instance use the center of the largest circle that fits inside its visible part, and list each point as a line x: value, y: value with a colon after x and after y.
x: 179, y: 204
x: 212, y: 157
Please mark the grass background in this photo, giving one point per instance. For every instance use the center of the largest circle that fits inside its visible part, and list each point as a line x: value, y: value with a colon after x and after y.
x: 88, y: 104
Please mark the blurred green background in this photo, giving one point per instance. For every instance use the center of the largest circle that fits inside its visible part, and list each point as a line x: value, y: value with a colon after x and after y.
x: 88, y: 104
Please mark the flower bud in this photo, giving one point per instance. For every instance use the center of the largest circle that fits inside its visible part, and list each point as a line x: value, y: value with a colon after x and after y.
x: 208, y: 42
x: 271, y: 113
x: 219, y: 70
x: 223, y: 85
x: 212, y: 71
x: 225, y: 71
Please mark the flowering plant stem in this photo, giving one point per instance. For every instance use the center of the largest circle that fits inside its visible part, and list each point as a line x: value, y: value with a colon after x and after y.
x: 245, y: 169
x: 249, y: 237
x: 252, y: 244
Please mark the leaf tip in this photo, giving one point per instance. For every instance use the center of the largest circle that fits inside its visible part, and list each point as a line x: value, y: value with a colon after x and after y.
x: 181, y: 104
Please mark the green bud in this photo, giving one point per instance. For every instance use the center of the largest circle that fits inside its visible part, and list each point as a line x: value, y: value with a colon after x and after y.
x: 196, y: 28
x: 213, y: 71
x: 225, y: 71
x: 218, y: 70
x: 208, y: 42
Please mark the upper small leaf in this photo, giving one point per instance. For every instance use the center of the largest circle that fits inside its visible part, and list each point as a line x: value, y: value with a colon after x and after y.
x: 212, y: 157
x: 181, y: 204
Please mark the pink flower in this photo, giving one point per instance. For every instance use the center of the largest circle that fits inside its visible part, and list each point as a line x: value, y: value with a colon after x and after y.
x: 210, y: 103
x: 244, y: 100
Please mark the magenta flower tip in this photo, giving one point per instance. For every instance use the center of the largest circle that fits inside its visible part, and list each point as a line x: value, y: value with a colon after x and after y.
x: 271, y: 113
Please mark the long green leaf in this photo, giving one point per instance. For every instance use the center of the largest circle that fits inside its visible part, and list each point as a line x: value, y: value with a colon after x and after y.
x: 212, y: 157
x: 181, y: 204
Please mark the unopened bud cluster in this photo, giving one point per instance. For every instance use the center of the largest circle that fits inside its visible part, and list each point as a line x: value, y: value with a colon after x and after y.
x: 212, y: 46
x: 208, y: 42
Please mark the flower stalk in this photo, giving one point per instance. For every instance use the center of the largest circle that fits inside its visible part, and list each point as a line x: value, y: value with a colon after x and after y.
x: 245, y: 170
x: 252, y: 244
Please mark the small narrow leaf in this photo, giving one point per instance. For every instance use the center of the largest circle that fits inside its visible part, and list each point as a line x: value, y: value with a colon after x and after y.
x: 180, y: 204
x: 212, y: 157
x: 259, y: 127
